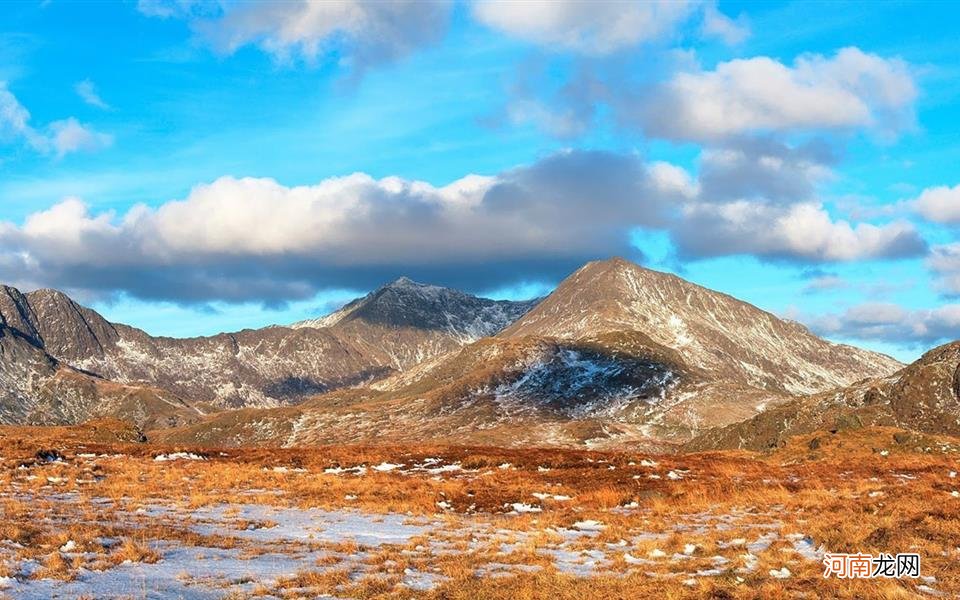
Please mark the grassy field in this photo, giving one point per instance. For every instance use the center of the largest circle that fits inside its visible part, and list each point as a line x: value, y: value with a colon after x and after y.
x: 87, y: 513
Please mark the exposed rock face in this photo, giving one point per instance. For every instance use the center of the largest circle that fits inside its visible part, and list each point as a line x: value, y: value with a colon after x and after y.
x: 387, y: 331
x: 36, y: 388
x: 23, y: 367
x: 616, y: 355
x: 923, y: 396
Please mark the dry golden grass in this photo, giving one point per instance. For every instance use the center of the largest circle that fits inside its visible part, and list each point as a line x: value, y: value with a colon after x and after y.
x: 859, y: 491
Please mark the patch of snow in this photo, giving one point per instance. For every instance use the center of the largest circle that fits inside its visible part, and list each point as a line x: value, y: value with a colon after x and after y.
x: 589, y: 525
x: 783, y: 573
x: 385, y: 466
x: 544, y: 496
x: 178, y: 456
x: 520, y: 507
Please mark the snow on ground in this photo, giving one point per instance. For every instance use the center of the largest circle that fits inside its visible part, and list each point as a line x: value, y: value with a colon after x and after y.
x: 178, y: 456
x: 274, y: 542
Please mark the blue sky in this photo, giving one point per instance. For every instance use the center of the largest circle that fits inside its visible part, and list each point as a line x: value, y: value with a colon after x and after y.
x: 194, y: 167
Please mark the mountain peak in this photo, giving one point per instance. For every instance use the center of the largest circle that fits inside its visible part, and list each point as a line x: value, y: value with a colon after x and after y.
x: 406, y: 303
x: 613, y: 263
x: 712, y: 330
x: 404, y: 281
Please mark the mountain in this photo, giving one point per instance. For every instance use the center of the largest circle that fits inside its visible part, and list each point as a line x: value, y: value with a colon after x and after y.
x: 37, y: 388
x: 923, y: 396
x: 387, y: 331
x: 617, y: 354
x: 406, y: 303
x: 731, y: 339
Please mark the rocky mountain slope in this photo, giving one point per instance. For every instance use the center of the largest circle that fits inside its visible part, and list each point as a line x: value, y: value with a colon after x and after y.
x: 389, y: 330
x: 406, y: 303
x: 733, y: 340
x: 616, y: 355
x: 923, y: 396
x: 36, y: 388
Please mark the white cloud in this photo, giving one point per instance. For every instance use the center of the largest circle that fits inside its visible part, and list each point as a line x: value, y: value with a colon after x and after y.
x: 890, y: 322
x: 88, y: 93
x: 669, y: 178
x: 264, y: 240
x: 60, y: 137
x: 944, y: 262
x: 851, y: 90
x: 718, y: 25
x: 593, y: 27
x: 940, y: 204
x: 363, y: 33
x: 15, y: 120
x: 70, y: 135
x: 256, y: 239
x: 802, y: 231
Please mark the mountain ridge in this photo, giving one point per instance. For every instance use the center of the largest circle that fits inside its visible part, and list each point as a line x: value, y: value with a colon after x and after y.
x: 590, y: 364
x: 254, y: 367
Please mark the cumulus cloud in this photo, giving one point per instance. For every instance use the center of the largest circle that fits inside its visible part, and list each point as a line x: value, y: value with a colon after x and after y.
x: 763, y: 168
x: 939, y: 204
x: 944, y: 263
x: 850, y: 90
x: 59, y: 137
x: 361, y: 33
x: 256, y: 239
x: 887, y: 322
x: 88, y: 93
x: 585, y: 26
x: 800, y: 232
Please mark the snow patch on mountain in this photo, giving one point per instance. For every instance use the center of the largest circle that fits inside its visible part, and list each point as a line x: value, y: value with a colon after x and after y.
x: 581, y: 384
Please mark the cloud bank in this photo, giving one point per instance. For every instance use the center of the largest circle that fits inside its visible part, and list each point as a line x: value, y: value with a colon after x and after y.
x: 886, y: 322
x: 256, y: 239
